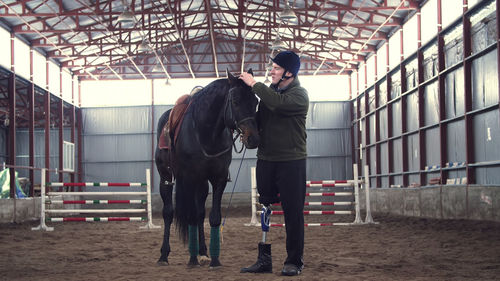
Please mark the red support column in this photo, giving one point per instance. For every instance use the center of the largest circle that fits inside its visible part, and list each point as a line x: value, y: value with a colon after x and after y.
x: 12, y: 133
x: 390, y: 143
x: 11, y: 147
x: 498, y: 50
x: 378, y: 165
x: 421, y: 101
x: 31, y: 126
x: 443, y: 135
x: 61, y: 128
x: 404, y: 138
x: 79, y: 126
x: 47, y: 123
x: 469, y: 137
x: 153, y: 148
x: 60, y: 109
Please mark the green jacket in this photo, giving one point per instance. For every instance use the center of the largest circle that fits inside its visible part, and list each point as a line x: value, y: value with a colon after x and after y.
x: 281, y: 119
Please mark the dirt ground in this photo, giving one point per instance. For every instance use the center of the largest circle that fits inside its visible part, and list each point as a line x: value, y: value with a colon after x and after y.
x: 398, y: 248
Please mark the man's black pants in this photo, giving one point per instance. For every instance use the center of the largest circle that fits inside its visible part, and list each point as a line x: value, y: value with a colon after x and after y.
x: 288, y: 179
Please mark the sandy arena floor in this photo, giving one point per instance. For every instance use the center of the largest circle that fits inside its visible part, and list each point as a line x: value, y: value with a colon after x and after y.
x: 398, y: 248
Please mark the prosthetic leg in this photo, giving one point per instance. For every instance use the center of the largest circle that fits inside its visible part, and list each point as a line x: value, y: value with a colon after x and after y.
x: 264, y: 259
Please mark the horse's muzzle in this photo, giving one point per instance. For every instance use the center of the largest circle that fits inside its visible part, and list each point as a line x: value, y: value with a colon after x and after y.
x: 252, y: 141
x: 249, y: 137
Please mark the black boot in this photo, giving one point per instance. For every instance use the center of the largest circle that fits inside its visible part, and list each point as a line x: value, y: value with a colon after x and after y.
x: 264, y: 262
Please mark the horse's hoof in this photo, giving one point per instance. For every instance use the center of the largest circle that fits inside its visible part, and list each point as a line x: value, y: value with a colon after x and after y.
x: 215, y: 263
x: 204, y: 260
x: 193, y: 262
x: 162, y: 263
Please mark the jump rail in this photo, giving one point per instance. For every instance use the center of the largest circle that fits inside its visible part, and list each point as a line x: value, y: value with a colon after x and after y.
x: 45, y: 199
x: 325, y: 183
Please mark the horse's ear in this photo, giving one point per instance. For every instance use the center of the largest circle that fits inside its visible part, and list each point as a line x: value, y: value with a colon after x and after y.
x: 250, y: 71
x: 231, y: 77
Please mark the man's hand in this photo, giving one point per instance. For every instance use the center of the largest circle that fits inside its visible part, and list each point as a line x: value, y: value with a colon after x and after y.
x: 248, y: 79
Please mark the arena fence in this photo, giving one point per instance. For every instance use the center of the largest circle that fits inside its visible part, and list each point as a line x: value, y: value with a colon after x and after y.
x: 50, y: 198
x: 348, y: 199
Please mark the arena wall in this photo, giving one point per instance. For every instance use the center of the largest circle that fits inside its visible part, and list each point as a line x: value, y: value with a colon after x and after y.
x: 440, y: 202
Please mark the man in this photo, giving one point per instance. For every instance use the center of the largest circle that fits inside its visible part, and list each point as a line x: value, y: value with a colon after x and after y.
x: 281, y: 158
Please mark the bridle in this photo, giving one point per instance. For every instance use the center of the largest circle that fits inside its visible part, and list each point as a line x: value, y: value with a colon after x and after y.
x: 231, y: 122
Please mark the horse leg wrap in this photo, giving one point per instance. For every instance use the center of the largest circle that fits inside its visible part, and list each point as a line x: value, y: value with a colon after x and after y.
x: 193, y: 240
x: 265, y: 221
x: 214, y: 241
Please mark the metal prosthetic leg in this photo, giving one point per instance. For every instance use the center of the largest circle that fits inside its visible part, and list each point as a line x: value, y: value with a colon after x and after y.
x: 264, y: 259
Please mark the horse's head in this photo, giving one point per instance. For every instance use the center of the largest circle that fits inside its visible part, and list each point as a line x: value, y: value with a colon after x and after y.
x: 241, y: 109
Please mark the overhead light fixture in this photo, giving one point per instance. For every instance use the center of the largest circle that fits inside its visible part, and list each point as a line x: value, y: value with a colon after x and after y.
x: 267, y: 81
x: 287, y: 13
x: 167, y: 82
x: 143, y: 47
x: 126, y: 16
x: 278, y: 44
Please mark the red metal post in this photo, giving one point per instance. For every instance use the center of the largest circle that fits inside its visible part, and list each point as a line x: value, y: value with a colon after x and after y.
x: 31, y: 126
x: 47, y: 123
x: 469, y: 133
x: 404, y: 138
x: 12, y: 118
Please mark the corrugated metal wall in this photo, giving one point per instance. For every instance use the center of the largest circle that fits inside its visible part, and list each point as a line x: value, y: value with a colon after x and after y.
x: 409, y: 142
x: 22, y: 151
x: 118, y: 144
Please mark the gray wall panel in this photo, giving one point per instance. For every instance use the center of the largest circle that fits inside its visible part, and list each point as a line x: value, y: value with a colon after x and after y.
x: 455, y: 147
x: 383, y: 124
x: 373, y: 128
x: 397, y: 156
x: 413, y: 153
x: 384, y: 158
x: 486, y: 136
x: 431, y: 104
x: 395, y: 84
x: 432, y: 153
x: 326, y: 115
x: 113, y: 120
x: 328, y: 142
x: 454, y: 93
x: 484, y: 84
x: 396, y: 115
x: 411, y: 111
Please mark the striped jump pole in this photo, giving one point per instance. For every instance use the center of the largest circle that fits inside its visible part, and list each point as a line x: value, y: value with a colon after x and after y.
x: 42, y: 225
x: 45, y: 195
x: 253, y: 221
x: 324, y: 183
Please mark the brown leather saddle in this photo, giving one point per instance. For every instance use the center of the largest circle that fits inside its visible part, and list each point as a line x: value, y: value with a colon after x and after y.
x: 170, y: 131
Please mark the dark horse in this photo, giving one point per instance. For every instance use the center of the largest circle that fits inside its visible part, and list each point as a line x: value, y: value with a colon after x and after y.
x: 201, y: 154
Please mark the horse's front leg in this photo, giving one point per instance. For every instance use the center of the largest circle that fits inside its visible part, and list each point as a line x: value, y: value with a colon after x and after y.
x: 201, y: 198
x: 167, y: 212
x: 215, y: 222
x: 196, y: 233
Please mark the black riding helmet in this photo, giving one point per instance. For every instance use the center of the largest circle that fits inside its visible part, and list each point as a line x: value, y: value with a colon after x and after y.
x: 290, y: 61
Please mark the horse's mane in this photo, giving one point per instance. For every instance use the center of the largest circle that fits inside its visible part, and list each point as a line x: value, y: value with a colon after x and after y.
x: 216, y: 87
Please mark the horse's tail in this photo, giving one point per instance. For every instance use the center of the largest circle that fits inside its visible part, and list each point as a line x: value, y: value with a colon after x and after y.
x: 185, y: 210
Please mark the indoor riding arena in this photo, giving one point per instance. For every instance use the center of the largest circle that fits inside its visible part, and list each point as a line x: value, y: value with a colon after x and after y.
x: 402, y: 125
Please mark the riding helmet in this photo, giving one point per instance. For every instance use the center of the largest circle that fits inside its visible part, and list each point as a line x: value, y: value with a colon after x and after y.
x: 289, y: 60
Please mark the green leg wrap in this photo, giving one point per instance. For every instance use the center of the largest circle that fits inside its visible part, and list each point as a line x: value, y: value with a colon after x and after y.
x: 193, y: 240
x: 214, y: 241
